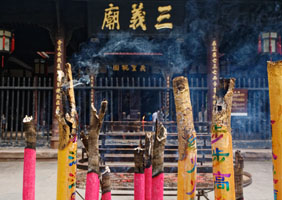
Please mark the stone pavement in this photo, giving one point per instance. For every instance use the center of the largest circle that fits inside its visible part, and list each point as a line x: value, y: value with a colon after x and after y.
x: 46, y: 172
x: 46, y: 153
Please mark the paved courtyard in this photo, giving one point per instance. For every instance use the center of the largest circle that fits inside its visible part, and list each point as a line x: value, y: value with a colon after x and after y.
x: 46, y: 173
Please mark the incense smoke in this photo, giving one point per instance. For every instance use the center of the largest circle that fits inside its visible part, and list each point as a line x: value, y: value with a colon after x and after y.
x: 237, y: 26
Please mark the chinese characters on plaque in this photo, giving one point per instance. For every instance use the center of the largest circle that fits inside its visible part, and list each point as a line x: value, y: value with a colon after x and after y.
x: 240, y: 102
x: 111, y: 19
x: 59, y: 63
x: 164, y: 14
x: 138, y: 17
x: 129, y: 68
x: 214, y: 62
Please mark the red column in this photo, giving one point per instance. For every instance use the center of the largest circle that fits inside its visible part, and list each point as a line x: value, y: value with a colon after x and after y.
x: 213, y: 74
x: 58, y: 67
x: 92, y: 83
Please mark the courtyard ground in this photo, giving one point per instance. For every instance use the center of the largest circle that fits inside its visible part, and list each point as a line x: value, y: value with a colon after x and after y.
x: 46, y: 174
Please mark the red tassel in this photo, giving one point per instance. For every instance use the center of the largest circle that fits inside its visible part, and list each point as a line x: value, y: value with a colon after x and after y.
x: 2, y: 61
x: 3, y: 40
x: 13, y: 44
x: 259, y: 44
x: 270, y: 47
x: 279, y: 46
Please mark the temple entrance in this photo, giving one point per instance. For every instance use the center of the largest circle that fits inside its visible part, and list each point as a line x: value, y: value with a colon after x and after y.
x: 130, y: 105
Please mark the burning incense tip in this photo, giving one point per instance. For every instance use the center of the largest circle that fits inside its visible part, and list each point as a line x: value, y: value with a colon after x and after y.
x: 75, y: 84
x: 107, y: 170
x: 164, y: 134
x: 27, y: 119
x: 138, y: 149
x: 60, y: 75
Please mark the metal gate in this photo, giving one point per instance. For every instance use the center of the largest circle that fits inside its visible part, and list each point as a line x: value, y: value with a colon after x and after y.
x: 33, y: 96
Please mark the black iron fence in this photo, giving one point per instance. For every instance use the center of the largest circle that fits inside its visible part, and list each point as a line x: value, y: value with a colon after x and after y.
x: 20, y: 97
x: 33, y: 96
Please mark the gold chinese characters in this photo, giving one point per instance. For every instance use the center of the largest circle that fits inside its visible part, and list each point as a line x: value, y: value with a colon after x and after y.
x: 214, y: 62
x: 164, y: 14
x: 137, y: 21
x: 138, y: 17
x: 111, y: 19
x: 59, y: 64
x: 129, y: 68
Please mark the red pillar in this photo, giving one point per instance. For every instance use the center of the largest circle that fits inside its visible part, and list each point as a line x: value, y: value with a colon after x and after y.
x: 59, y: 65
x: 213, y: 74
x: 92, y: 83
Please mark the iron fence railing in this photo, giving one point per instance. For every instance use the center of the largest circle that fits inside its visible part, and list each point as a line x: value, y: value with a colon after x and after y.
x: 33, y: 96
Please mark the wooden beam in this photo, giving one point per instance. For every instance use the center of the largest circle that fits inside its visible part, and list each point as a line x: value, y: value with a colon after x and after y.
x: 20, y: 63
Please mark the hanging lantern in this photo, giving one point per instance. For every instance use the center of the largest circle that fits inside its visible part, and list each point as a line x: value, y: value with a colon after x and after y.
x: 7, y: 43
x: 269, y: 43
x: 13, y: 44
x: 39, y: 66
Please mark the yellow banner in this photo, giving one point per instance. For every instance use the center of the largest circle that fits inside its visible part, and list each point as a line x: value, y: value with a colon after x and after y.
x: 222, y: 158
x: 275, y: 95
x: 187, y: 176
x: 66, y: 178
x: 187, y: 147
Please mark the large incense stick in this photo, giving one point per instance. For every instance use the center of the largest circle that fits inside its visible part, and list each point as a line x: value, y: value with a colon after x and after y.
x: 158, y: 163
x: 223, y: 170
x: 106, y: 184
x: 66, y: 178
x: 29, y: 160
x: 139, y: 177
x: 275, y: 86
x: 148, y: 165
x: 92, y: 181
x: 238, y: 169
x: 187, y: 163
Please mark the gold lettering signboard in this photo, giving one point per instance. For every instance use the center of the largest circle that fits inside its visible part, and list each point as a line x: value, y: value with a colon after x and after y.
x: 59, y: 63
x: 144, y: 17
x: 111, y: 20
x: 129, y: 68
x: 214, y: 63
x: 240, y: 102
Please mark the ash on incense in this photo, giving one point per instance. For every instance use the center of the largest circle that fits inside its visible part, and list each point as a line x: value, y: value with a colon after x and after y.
x: 126, y: 180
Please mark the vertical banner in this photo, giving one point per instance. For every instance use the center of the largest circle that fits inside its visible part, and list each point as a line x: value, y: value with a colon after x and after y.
x: 58, y: 67
x: 167, y: 102
x: 187, y: 148
x: 92, y: 84
x: 66, y: 178
x: 275, y: 85
x: 222, y: 154
x: 213, y: 75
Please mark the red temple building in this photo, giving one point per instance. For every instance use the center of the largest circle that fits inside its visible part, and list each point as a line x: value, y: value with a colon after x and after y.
x: 128, y: 53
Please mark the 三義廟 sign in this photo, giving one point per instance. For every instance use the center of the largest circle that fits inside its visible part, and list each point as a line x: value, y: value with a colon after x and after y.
x: 141, y: 17
x: 240, y: 103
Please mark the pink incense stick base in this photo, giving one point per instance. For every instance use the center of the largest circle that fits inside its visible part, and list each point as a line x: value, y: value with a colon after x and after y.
x: 92, y: 186
x: 107, y: 196
x: 139, y: 186
x: 29, y: 174
x: 158, y: 187
x: 148, y: 183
